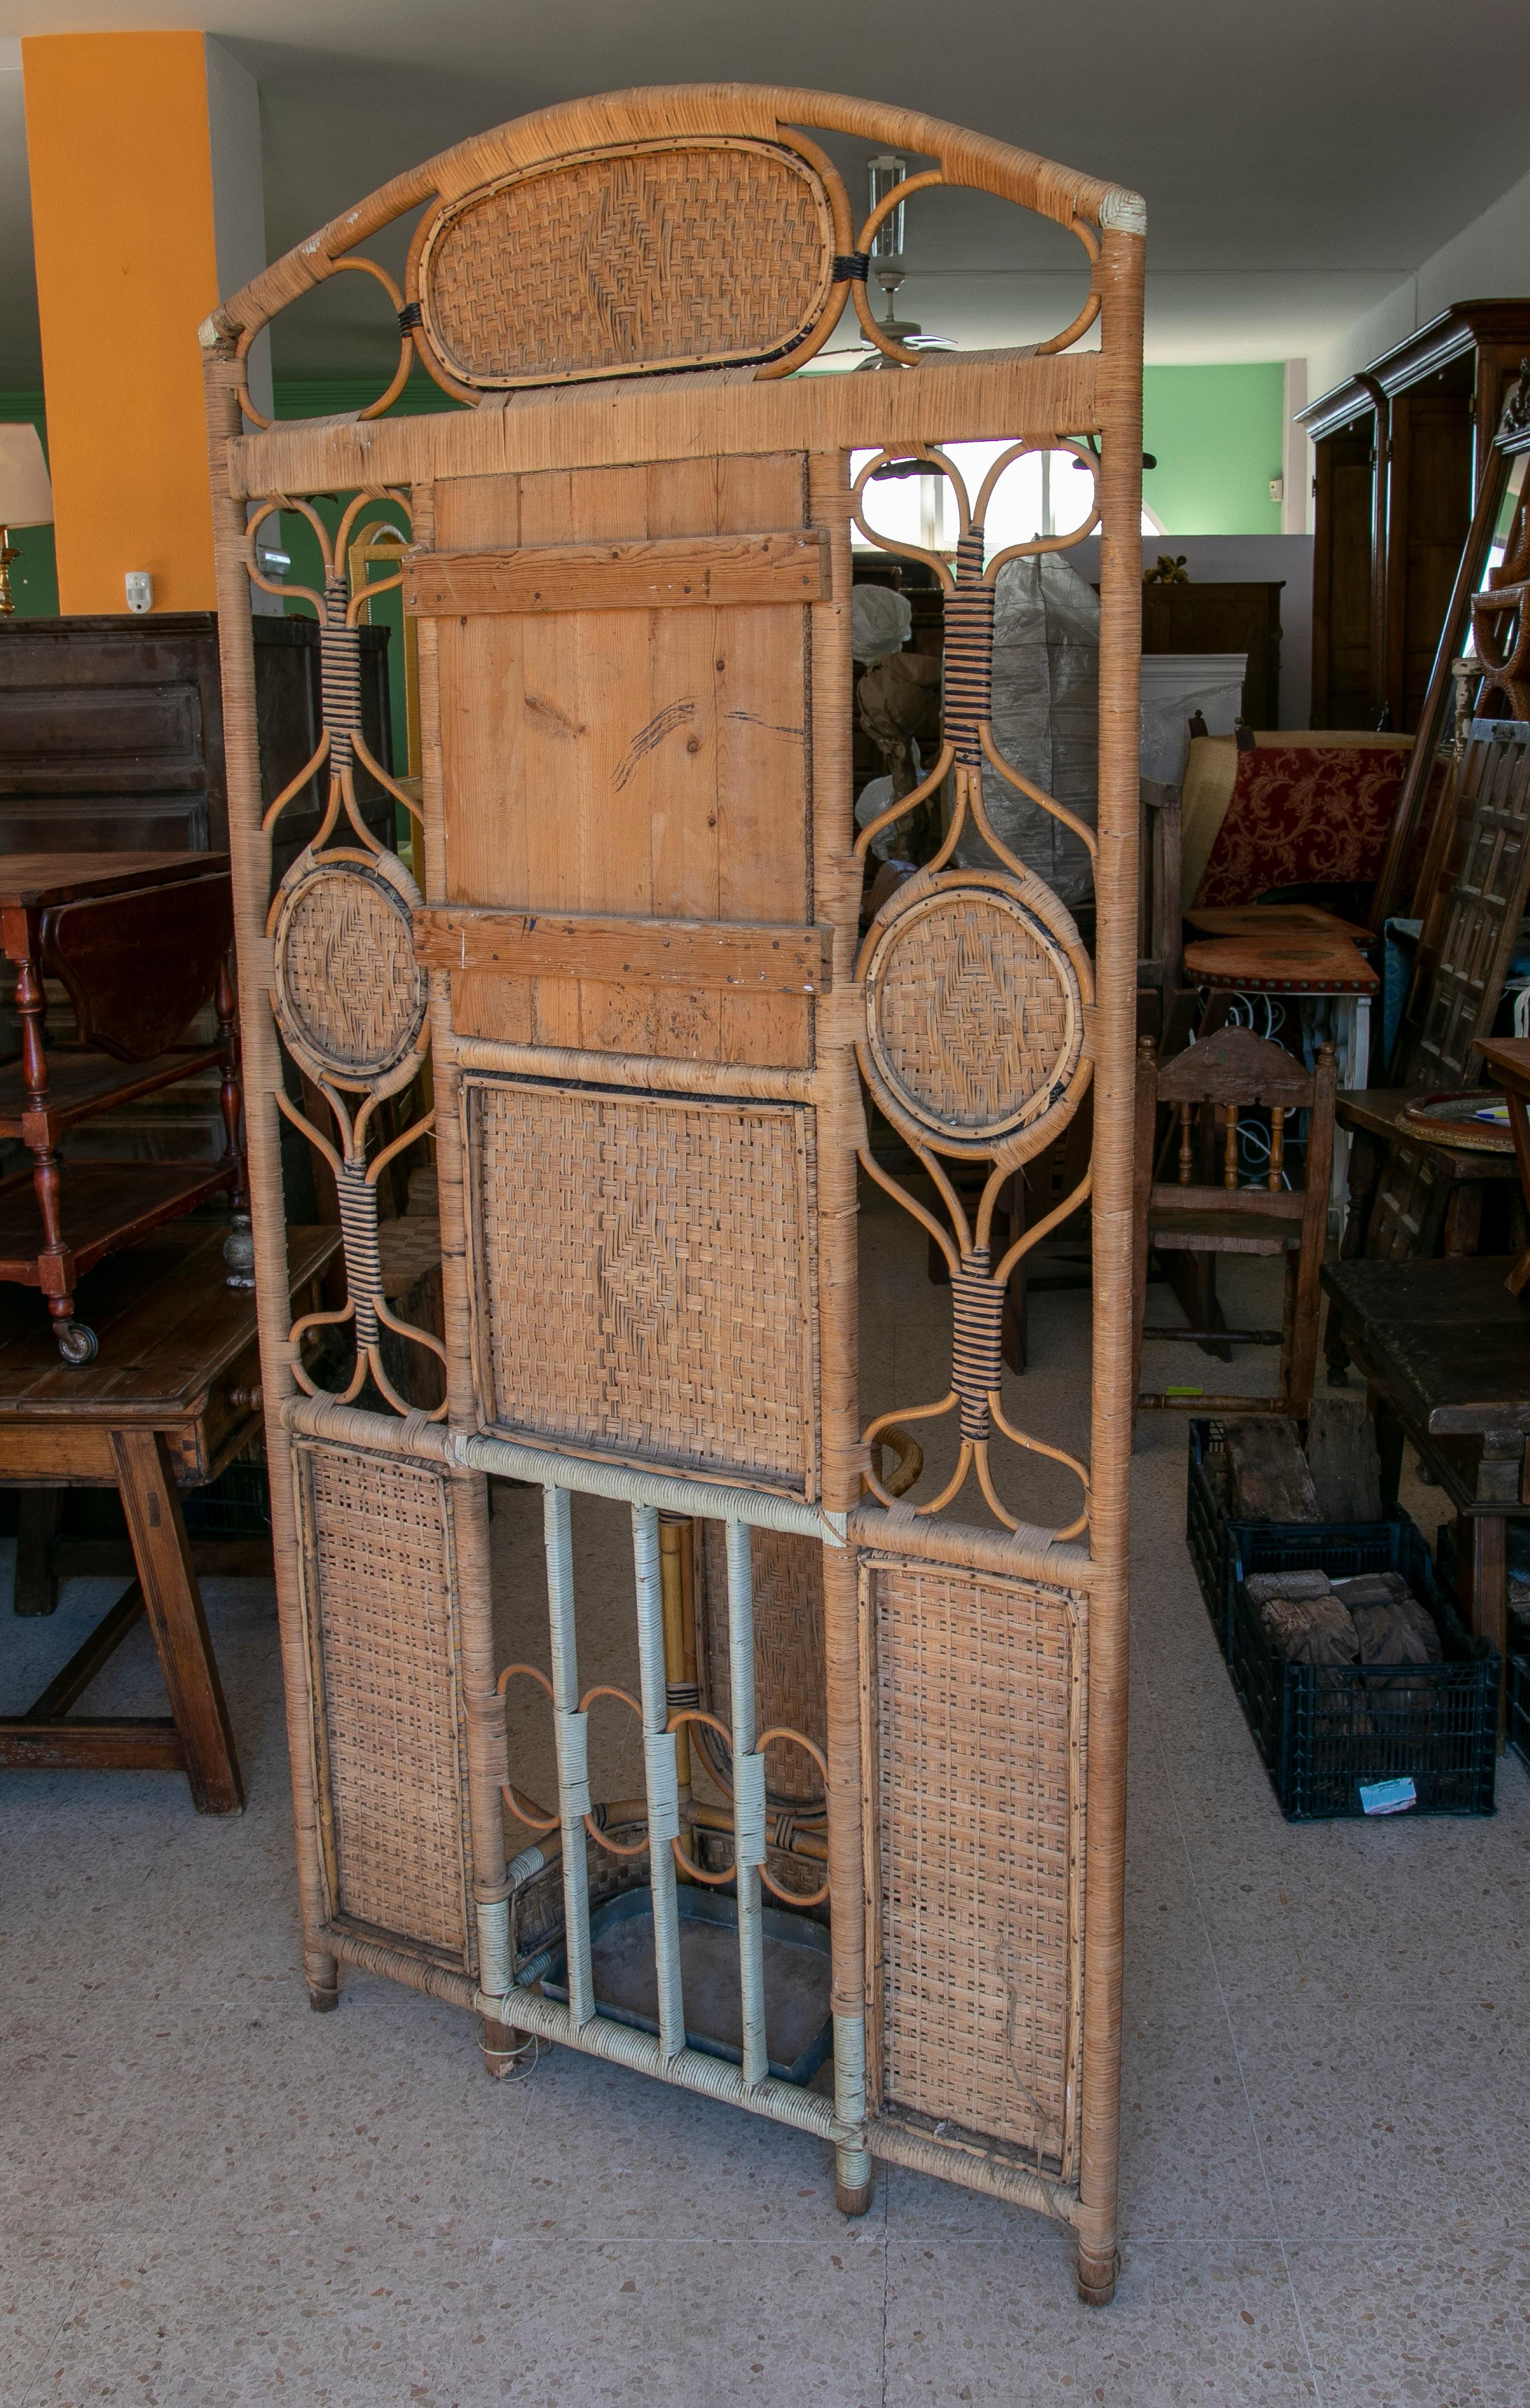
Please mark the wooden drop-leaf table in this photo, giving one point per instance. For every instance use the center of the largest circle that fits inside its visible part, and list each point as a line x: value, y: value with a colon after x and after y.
x: 171, y: 1399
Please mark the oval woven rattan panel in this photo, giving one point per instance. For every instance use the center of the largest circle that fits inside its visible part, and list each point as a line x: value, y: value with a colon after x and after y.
x: 379, y: 1587
x: 350, y: 995
x: 974, y: 1014
x: 980, y: 1784
x: 645, y: 1276
x: 658, y: 256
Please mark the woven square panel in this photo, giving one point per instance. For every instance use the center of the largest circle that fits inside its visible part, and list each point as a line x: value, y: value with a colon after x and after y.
x: 644, y: 1276
x: 380, y: 1583
x: 978, y: 1813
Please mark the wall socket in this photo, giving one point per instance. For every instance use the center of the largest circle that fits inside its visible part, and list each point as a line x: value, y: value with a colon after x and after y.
x: 140, y: 589
x: 1276, y: 489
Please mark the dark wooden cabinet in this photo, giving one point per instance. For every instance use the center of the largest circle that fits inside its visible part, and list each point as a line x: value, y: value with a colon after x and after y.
x: 1399, y: 447
x: 111, y: 731
x: 1219, y: 618
x: 111, y: 740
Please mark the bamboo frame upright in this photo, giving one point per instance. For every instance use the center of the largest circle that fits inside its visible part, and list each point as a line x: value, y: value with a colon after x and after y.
x: 651, y: 1062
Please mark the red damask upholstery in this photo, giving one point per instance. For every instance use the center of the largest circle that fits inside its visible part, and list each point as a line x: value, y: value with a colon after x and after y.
x: 1303, y: 815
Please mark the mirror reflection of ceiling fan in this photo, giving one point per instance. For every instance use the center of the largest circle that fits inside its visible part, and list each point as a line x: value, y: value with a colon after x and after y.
x: 883, y: 173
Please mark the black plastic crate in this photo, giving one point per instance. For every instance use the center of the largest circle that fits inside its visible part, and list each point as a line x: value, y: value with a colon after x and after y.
x: 1324, y: 1729
x: 236, y: 1505
x: 1225, y: 1551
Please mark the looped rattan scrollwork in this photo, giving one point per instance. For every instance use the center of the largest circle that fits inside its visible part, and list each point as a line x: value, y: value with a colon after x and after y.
x: 338, y: 610
x: 968, y: 588
x: 730, y: 243
x: 978, y: 1000
x: 792, y: 1832
x: 348, y: 994
x: 350, y: 1001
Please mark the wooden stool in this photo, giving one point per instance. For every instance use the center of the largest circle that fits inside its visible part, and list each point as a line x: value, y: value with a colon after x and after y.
x: 175, y: 1397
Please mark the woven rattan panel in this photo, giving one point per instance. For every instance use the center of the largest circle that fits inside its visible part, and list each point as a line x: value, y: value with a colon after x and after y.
x: 631, y: 261
x: 1487, y: 903
x: 348, y: 984
x: 645, y: 1276
x: 379, y: 1580
x: 980, y: 1784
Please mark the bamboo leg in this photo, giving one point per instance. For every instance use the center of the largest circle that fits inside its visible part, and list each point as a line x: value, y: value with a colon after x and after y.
x: 251, y: 861
x: 1116, y: 887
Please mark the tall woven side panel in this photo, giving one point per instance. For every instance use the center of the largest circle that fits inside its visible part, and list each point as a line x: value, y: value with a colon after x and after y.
x: 977, y: 1854
x: 645, y: 1276
x: 379, y: 1585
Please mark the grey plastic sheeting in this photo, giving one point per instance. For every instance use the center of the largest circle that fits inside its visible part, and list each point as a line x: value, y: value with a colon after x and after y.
x: 1046, y: 705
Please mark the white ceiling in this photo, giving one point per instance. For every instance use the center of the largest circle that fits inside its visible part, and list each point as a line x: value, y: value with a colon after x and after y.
x: 1299, y: 160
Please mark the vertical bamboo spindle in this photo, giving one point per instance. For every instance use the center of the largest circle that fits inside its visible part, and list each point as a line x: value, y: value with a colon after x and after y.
x: 249, y: 854
x: 1122, y: 225
x: 681, y: 1691
x: 571, y: 1730
x: 748, y: 1798
x: 660, y: 1777
x: 836, y: 895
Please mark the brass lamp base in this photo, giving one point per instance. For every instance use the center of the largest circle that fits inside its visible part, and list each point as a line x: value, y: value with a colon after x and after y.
x: 8, y: 554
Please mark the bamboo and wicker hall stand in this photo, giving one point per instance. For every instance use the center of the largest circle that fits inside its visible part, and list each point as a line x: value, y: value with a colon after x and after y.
x: 140, y: 941
x: 187, y: 1401
x: 634, y: 958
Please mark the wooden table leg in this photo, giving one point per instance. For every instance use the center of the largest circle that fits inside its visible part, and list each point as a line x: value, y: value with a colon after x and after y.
x: 1520, y: 1130
x: 37, y: 1588
x: 1390, y: 1435
x: 173, y: 1603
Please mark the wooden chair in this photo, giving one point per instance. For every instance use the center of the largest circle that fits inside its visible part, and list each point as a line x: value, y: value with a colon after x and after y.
x: 1213, y: 1081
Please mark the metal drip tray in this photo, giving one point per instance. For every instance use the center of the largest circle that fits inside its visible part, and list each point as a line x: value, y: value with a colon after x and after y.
x: 798, y: 2020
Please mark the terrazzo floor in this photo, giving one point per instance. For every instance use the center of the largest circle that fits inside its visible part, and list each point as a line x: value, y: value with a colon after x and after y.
x: 208, y: 2195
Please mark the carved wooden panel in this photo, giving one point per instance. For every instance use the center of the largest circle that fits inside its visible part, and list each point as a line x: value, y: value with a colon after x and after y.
x: 1485, y: 909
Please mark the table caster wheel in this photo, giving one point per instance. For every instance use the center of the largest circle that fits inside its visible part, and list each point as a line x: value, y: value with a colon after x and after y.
x: 77, y: 1342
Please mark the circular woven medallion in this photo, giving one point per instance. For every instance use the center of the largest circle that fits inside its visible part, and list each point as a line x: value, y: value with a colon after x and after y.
x: 974, y: 1014
x: 350, y: 995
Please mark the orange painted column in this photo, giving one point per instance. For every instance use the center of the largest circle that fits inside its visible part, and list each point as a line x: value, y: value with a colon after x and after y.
x: 120, y: 153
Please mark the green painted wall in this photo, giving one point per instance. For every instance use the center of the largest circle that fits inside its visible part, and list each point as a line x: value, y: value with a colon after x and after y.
x: 34, y: 581
x: 1217, y: 434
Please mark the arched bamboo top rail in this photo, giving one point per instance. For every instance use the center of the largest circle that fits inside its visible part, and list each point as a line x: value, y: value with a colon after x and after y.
x: 1084, y: 205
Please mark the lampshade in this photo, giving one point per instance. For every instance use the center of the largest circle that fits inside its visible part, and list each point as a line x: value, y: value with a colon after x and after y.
x: 26, y: 497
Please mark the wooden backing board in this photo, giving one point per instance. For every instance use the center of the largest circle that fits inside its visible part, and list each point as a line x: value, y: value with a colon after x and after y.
x: 688, y: 572
x: 729, y: 957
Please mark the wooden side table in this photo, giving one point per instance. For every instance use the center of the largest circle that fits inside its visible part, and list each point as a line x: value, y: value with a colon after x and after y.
x: 173, y: 1399
x: 1446, y: 1359
x: 1427, y: 1181
x: 140, y: 941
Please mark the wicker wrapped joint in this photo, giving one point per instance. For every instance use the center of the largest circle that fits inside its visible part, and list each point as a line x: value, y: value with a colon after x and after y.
x: 628, y: 943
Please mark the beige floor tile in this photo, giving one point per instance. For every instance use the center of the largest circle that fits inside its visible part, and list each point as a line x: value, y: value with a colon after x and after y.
x: 363, y: 2319
x: 1437, y: 2321
x: 1003, y: 2329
